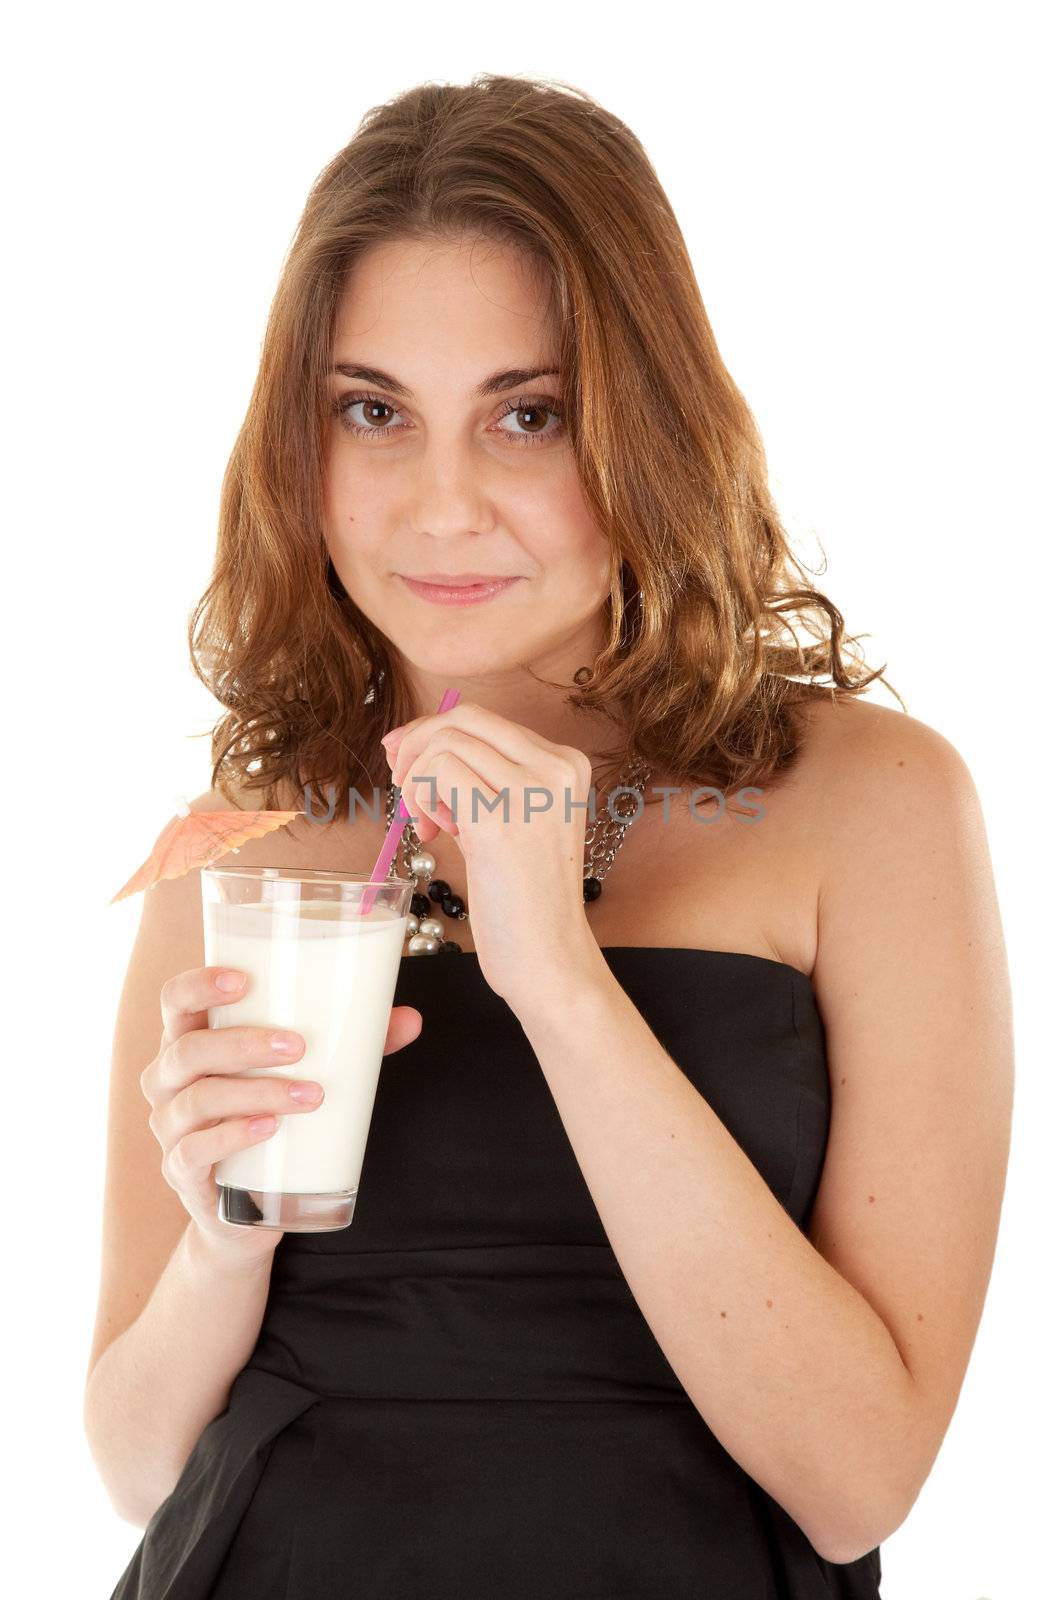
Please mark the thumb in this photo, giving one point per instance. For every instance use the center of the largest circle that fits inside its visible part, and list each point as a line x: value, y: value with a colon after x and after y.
x: 403, y: 1027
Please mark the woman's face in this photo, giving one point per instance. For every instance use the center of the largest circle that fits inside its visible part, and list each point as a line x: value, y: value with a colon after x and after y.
x: 445, y: 479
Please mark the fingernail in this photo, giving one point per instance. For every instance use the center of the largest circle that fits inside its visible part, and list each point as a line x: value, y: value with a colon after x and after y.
x: 306, y: 1093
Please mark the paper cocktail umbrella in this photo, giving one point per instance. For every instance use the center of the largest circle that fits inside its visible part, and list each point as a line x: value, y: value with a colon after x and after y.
x: 196, y: 838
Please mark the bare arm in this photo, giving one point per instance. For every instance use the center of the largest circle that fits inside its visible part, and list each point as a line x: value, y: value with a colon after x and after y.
x: 828, y: 1365
x: 173, y: 1323
x: 155, y: 1388
x: 182, y: 1295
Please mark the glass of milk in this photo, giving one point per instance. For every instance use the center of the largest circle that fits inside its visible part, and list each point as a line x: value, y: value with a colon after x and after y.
x: 321, y: 958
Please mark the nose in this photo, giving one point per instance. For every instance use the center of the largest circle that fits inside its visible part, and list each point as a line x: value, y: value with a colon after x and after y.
x: 447, y: 492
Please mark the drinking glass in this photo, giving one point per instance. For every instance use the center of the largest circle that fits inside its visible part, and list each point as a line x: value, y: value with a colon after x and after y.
x: 322, y: 958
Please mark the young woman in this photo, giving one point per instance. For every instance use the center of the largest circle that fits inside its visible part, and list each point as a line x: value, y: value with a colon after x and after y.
x: 687, y: 1158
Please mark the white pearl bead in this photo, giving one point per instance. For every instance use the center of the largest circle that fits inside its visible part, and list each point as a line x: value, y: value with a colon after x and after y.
x: 422, y: 865
x: 432, y: 928
x: 420, y: 946
x: 412, y: 924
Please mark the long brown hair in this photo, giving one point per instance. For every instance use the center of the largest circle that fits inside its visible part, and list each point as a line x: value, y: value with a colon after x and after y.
x: 702, y: 666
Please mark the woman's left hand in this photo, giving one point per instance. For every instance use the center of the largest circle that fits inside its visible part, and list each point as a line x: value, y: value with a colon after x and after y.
x: 524, y: 857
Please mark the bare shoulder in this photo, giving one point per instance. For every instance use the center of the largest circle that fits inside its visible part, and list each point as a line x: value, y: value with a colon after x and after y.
x: 867, y: 769
x: 878, y: 793
x: 251, y: 853
x: 302, y: 842
x: 892, y: 814
x: 229, y: 800
x: 848, y: 742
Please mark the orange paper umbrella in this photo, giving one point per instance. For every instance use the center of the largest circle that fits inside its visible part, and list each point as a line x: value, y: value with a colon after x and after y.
x: 196, y: 838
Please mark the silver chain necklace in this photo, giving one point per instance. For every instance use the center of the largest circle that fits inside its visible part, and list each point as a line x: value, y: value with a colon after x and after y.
x: 426, y: 933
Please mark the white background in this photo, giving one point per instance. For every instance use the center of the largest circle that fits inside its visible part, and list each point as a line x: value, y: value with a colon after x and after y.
x: 866, y: 193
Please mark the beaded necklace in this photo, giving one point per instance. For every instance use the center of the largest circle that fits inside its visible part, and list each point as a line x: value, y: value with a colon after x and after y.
x: 426, y: 934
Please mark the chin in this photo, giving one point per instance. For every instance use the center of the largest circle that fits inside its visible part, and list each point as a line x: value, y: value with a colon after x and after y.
x: 463, y: 659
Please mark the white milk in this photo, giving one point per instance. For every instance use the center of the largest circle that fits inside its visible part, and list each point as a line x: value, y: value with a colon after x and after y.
x: 316, y: 967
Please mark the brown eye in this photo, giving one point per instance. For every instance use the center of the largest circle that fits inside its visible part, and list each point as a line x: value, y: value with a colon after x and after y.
x: 377, y: 425
x: 371, y: 410
x: 524, y: 411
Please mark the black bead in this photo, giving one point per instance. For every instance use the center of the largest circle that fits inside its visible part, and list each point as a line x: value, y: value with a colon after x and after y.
x: 453, y: 905
x: 420, y: 905
x: 591, y: 888
x: 448, y: 944
x: 438, y: 889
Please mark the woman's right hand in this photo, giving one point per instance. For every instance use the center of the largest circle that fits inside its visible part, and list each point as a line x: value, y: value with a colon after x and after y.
x: 202, y: 1107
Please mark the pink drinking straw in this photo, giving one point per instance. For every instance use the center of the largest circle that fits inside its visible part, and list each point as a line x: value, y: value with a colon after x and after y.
x: 390, y: 845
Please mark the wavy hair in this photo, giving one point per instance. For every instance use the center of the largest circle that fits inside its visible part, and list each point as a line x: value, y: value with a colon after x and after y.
x: 702, y: 666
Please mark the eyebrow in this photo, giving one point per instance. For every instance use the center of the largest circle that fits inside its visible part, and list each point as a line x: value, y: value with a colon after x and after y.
x: 497, y: 383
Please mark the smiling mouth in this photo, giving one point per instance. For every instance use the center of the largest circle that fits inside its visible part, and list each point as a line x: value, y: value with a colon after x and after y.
x: 457, y: 580
x: 458, y: 591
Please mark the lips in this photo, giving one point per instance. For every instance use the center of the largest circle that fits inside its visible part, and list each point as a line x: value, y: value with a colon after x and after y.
x: 457, y: 580
x: 457, y: 591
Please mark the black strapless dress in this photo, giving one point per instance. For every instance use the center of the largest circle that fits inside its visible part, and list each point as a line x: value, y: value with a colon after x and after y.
x: 457, y: 1397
